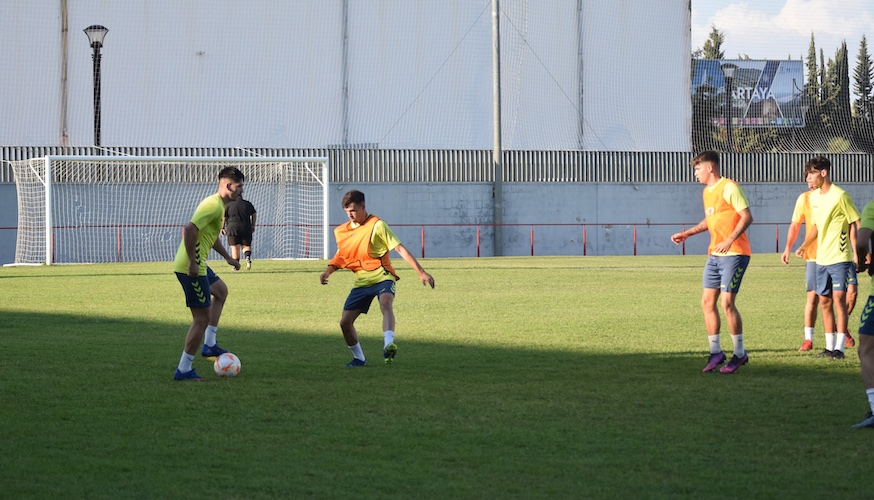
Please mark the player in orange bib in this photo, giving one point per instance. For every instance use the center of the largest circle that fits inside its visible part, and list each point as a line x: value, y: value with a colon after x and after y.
x: 727, y: 216
x: 363, y: 246
x: 801, y: 215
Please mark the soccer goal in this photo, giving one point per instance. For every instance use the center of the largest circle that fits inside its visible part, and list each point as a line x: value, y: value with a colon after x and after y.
x: 90, y: 209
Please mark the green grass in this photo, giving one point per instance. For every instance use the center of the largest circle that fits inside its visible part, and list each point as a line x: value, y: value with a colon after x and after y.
x: 515, y: 378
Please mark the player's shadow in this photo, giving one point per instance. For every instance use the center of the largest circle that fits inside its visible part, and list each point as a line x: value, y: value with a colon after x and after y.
x: 577, y: 411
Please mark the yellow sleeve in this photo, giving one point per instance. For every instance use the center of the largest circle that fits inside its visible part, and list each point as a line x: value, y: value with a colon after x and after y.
x: 735, y: 197
x: 383, y: 239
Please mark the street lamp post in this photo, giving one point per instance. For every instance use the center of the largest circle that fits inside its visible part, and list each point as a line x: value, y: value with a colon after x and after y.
x: 728, y: 70
x: 95, y: 37
x: 795, y: 119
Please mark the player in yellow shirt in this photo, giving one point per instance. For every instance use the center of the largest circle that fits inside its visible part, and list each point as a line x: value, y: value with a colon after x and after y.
x: 363, y: 246
x: 801, y: 215
x: 727, y: 216
x: 205, y: 292
x: 866, y: 328
x: 835, y: 221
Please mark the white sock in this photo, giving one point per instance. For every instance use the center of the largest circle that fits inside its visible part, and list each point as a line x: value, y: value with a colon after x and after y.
x: 738, y: 342
x: 209, y: 335
x: 870, y: 393
x: 714, y: 344
x: 388, y: 337
x: 185, y: 362
x: 808, y: 333
x: 839, y: 341
x: 357, y: 352
x: 829, y: 341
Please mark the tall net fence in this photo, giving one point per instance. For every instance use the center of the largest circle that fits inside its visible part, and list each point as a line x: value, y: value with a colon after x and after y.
x: 398, y: 75
x: 369, y: 74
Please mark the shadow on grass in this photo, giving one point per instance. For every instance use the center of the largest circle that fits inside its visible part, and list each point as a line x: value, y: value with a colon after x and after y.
x: 90, y: 410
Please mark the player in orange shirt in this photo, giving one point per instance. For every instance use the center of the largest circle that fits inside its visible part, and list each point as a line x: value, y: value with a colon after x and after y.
x: 363, y: 246
x: 801, y: 214
x: 727, y: 216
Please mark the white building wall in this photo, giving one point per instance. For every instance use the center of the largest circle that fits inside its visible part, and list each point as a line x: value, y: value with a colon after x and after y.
x: 271, y: 73
x: 637, y: 75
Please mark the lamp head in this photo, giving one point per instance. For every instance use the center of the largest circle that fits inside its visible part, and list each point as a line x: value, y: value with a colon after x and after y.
x: 95, y: 34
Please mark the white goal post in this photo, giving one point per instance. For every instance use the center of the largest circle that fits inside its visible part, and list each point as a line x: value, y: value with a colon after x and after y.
x: 91, y: 209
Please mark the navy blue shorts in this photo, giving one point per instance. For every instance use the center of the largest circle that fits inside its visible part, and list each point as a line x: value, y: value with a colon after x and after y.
x: 197, y: 290
x: 834, y: 277
x: 725, y: 272
x: 810, y: 276
x: 359, y: 299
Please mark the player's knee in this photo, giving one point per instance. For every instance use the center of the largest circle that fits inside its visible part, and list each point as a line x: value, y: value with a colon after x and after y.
x: 219, y: 291
x: 346, y: 324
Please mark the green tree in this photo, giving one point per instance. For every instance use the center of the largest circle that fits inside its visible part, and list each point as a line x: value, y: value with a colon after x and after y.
x: 818, y: 116
x: 836, y: 115
x: 812, y: 86
x: 812, y: 90
x: 843, y: 115
x: 713, y: 44
x: 863, y: 107
x: 863, y: 76
x: 823, y: 91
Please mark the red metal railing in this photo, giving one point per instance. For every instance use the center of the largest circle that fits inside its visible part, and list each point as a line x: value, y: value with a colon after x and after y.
x: 584, y: 229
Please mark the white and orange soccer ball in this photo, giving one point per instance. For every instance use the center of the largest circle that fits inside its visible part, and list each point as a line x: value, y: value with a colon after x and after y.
x: 227, y: 365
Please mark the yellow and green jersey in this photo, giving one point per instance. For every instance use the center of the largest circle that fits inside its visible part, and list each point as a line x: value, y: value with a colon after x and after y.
x: 833, y: 212
x: 802, y: 214
x: 209, y: 219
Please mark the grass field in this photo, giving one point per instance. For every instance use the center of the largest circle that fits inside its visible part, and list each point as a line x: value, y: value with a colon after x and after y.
x: 515, y: 378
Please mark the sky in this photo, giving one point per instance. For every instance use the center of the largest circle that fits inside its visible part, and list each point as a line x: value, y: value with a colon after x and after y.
x: 780, y: 29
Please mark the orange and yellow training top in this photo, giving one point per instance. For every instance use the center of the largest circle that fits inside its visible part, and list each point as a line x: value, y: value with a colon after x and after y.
x: 364, y: 249
x: 722, y: 202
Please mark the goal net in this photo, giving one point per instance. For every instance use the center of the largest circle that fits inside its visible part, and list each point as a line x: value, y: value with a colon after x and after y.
x: 90, y: 209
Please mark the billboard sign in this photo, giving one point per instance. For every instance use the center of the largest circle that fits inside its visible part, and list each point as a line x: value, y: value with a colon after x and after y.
x: 764, y: 93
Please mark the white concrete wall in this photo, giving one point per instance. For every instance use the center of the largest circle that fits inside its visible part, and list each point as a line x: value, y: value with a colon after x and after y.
x: 609, y: 212
x: 558, y: 212
x: 271, y: 73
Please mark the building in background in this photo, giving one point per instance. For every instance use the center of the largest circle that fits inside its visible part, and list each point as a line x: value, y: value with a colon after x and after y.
x: 388, y: 74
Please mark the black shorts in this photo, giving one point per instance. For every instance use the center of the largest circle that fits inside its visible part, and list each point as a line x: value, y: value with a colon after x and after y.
x: 240, y: 238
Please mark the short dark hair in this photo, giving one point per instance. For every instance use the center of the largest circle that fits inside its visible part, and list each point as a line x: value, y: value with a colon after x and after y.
x: 816, y: 164
x: 232, y: 173
x: 706, y: 157
x: 354, y: 196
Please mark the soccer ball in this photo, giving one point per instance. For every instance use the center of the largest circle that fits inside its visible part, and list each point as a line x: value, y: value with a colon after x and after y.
x: 227, y: 365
